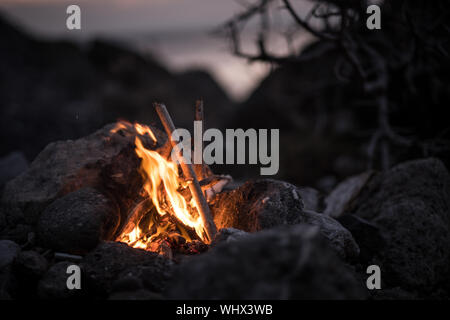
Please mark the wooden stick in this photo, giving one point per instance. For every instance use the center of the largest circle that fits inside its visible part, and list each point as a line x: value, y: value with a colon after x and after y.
x: 66, y: 256
x: 188, y: 171
x: 199, y: 169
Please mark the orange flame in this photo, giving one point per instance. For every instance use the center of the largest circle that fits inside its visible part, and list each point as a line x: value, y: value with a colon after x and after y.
x: 161, y: 183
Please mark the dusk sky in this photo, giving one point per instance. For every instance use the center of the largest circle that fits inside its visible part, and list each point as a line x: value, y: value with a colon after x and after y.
x: 175, y: 31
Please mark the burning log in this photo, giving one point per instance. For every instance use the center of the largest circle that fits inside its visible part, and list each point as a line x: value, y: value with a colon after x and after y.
x: 135, y: 216
x: 188, y: 171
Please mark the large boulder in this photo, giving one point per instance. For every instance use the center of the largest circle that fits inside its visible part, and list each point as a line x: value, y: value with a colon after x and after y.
x: 312, y: 198
x: 11, y: 166
x: 53, y: 284
x: 289, y: 262
x: 263, y: 204
x: 410, y: 205
x: 112, y: 261
x: 339, y: 238
x: 8, y: 252
x: 345, y: 192
x: 77, y: 222
x: 257, y: 205
x: 29, y: 266
x: 102, y: 160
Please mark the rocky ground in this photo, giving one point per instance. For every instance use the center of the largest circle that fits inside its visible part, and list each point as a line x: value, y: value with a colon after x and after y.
x: 275, y: 240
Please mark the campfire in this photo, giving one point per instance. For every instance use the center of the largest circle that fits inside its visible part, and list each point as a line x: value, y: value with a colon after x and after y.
x: 173, y: 213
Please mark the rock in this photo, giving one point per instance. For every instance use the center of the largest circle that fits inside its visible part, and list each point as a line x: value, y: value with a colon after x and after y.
x: 18, y: 233
x: 312, y: 198
x: 135, y: 295
x: 289, y: 262
x: 30, y: 264
x: 263, y: 204
x: 102, y: 160
x: 228, y: 235
x: 66, y: 166
x: 327, y: 183
x: 77, y: 222
x: 367, y: 235
x: 112, y: 260
x: 8, y: 252
x: 151, y: 277
x: 11, y: 166
x: 410, y: 204
x: 53, y: 284
x: 7, y: 284
x: 127, y: 281
x: 340, y: 239
x: 28, y: 269
x: 339, y: 199
x: 257, y: 205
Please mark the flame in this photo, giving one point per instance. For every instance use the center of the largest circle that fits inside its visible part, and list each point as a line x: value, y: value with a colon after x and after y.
x: 162, y: 184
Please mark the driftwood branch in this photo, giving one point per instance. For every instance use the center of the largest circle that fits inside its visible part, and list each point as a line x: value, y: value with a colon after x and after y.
x: 188, y: 171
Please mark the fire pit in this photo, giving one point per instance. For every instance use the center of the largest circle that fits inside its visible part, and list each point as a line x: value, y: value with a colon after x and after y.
x: 141, y: 226
x: 173, y: 213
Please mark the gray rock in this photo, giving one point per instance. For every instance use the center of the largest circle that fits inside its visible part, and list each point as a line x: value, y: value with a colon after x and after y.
x: 53, y: 284
x: 228, y: 235
x: 8, y: 252
x: 30, y: 264
x: 263, y: 204
x: 111, y: 261
x: 366, y: 234
x: 146, y: 277
x: 312, y: 198
x: 18, y: 233
x: 11, y: 166
x: 128, y: 281
x: 292, y: 262
x: 338, y: 201
x: 410, y: 204
x: 102, y: 160
x: 77, y: 222
x: 340, y: 239
x: 8, y: 284
x: 257, y: 205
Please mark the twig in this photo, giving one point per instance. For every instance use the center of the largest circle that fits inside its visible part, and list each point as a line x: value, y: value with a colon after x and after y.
x: 305, y: 25
x: 66, y: 256
x: 188, y: 171
x: 199, y: 169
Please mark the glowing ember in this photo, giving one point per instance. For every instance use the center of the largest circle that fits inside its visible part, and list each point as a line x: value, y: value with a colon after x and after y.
x: 162, y: 184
